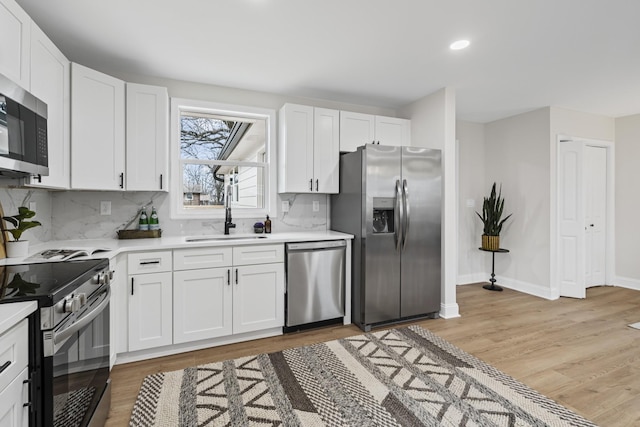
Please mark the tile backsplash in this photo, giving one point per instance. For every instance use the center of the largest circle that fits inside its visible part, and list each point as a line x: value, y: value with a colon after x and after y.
x: 71, y: 215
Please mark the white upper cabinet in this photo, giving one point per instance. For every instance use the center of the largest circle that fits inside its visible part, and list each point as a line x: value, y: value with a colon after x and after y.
x: 358, y: 129
x: 393, y: 131
x: 308, y: 150
x: 15, y: 34
x: 50, y: 74
x: 97, y: 130
x: 147, y: 138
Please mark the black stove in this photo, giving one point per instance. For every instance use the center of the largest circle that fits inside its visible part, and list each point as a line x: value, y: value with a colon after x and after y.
x: 47, y: 282
x: 69, y: 348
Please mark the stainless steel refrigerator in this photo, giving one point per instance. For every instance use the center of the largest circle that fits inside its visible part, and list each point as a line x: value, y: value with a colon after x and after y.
x: 390, y: 200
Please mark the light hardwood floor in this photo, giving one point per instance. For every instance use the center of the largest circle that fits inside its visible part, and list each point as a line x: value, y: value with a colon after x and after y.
x: 581, y: 353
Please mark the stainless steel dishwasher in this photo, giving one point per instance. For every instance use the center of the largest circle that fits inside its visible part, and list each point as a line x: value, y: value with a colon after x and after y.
x: 315, y: 282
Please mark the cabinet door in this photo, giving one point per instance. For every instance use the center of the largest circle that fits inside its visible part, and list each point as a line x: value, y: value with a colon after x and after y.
x: 97, y: 130
x: 150, y: 311
x: 326, y: 150
x: 50, y: 74
x: 258, y: 297
x: 393, y: 131
x: 295, y: 149
x: 356, y: 129
x: 147, y: 138
x: 14, y: 42
x: 202, y: 304
x: 13, y: 413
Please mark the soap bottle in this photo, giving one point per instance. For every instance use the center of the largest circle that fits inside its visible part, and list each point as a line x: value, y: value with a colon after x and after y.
x: 154, y: 224
x: 267, y: 225
x: 143, y: 224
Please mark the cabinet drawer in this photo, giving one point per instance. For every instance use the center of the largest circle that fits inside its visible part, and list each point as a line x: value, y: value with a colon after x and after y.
x: 258, y: 254
x: 189, y: 259
x: 14, y: 352
x: 149, y: 262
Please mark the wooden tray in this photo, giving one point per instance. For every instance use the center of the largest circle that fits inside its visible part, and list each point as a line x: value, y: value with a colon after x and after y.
x: 139, y: 234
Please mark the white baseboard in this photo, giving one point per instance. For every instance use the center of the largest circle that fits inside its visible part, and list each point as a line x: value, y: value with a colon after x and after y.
x: 449, y: 311
x: 467, y: 279
x: 625, y: 282
x: 528, y: 288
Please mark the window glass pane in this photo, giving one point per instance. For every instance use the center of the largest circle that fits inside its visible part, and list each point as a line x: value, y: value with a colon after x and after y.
x: 205, y: 186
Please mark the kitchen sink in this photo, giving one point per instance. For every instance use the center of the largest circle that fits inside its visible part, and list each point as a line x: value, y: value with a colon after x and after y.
x: 220, y: 238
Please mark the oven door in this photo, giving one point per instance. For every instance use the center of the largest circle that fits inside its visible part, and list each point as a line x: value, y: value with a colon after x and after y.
x: 76, y: 376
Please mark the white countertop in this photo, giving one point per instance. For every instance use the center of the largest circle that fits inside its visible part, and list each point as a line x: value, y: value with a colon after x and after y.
x: 12, y: 313
x: 117, y: 246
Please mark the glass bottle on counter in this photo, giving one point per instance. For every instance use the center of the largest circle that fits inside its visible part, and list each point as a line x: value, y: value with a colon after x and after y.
x: 267, y: 225
x: 143, y: 224
x: 154, y: 223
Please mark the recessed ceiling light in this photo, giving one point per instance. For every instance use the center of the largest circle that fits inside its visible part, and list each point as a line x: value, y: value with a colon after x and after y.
x: 459, y: 44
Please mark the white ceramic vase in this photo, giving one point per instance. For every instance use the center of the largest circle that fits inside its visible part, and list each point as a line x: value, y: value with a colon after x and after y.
x: 17, y: 249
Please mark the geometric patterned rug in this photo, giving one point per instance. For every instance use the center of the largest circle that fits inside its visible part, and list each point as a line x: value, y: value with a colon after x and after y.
x: 399, y: 377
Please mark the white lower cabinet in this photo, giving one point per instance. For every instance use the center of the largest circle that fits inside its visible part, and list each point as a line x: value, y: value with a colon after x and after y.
x: 258, y: 297
x: 243, y: 293
x: 13, y: 412
x: 150, y: 311
x: 14, y: 375
x: 209, y: 293
x: 202, y: 304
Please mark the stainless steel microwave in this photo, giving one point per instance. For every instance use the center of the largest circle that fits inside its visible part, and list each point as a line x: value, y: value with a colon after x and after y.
x: 23, y: 132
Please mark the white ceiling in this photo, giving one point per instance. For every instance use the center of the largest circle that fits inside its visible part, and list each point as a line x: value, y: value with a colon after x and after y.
x: 524, y: 54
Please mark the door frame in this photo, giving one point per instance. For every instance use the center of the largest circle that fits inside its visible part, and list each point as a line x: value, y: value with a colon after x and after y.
x: 610, y: 211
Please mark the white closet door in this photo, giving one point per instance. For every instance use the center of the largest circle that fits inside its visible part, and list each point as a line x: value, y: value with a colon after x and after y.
x: 595, y: 215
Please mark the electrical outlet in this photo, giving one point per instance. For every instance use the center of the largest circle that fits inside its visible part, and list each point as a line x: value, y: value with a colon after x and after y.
x: 105, y: 207
x: 32, y: 206
x: 316, y: 206
x: 285, y: 206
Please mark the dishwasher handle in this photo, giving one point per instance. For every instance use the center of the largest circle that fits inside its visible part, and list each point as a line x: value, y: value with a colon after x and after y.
x: 310, y: 246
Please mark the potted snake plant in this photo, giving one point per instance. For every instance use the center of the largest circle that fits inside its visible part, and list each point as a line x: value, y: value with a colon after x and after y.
x: 20, y: 222
x: 492, y: 221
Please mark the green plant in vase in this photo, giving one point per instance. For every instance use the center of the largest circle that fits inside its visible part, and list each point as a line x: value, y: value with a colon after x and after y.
x: 21, y: 223
x: 492, y: 211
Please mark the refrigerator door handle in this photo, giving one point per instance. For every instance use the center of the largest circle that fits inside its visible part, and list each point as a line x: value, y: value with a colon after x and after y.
x: 398, y: 216
x: 407, y: 215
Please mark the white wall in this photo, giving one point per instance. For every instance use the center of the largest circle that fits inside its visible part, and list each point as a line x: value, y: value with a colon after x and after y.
x: 627, y: 201
x: 472, y: 264
x: 433, y: 126
x: 517, y: 156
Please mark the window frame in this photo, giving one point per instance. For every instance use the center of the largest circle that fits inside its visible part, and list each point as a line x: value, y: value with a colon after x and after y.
x: 180, y: 105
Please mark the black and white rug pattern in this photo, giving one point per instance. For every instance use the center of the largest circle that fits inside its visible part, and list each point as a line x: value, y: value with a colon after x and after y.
x: 399, y: 377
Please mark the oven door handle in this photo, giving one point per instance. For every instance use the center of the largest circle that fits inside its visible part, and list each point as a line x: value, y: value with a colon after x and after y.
x: 63, y: 335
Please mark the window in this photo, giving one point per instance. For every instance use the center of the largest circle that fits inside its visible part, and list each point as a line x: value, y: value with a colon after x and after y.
x: 220, y: 154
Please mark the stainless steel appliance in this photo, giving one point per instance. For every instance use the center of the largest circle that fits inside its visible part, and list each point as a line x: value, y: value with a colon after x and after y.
x: 23, y: 132
x: 315, y: 283
x: 69, y: 339
x: 390, y: 200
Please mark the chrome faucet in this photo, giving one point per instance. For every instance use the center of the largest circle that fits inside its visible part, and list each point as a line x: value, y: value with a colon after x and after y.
x: 227, y: 212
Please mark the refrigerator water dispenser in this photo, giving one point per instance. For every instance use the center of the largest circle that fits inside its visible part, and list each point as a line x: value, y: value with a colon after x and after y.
x: 383, y: 215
